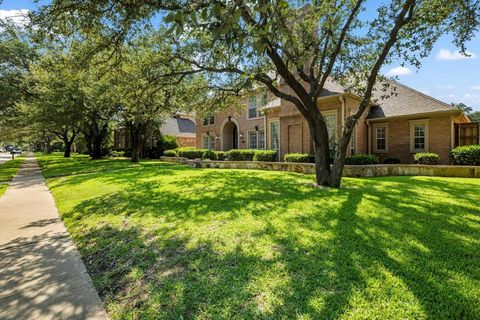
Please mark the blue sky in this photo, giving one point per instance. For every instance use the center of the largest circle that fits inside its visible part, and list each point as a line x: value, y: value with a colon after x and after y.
x: 445, y: 74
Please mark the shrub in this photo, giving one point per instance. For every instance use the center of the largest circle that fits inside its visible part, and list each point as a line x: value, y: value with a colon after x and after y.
x: 220, y: 155
x: 117, y: 154
x: 426, y: 158
x: 240, y: 154
x: 127, y: 153
x: 209, y: 154
x: 466, y: 155
x: 299, y: 157
x: 170, y: 153
x: 391, y: 160
x: 362, y: 159
x: 190, y: 153
x: 265, y: 155
x: 166, y: 142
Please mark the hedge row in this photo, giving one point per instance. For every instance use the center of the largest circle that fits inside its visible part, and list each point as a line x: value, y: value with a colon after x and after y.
x: 232, y: 155
x: 299, y: 157
x: 466, y: 155
x: 361, y: 159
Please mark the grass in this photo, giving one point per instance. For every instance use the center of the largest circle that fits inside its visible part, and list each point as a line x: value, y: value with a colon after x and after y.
x: 8, y: 170
x: 170, y: 242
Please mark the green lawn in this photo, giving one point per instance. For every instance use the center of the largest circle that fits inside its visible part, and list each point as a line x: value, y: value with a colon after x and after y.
x: 170, y: 242
x: 7, y: 172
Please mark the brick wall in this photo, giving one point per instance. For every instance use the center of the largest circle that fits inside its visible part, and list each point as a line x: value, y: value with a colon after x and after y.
x: 439, y: 138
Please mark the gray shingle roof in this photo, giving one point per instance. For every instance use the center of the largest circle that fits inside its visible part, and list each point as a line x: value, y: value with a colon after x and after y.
x: 182, y: 127
x: 406, y: 101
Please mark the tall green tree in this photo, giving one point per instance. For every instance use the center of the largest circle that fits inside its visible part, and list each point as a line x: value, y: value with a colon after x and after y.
x: 301, y: 44
x: 17, y: 53
x: 57, y: 101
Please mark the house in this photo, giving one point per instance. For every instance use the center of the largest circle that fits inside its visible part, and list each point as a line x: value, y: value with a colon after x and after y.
x: 179, y: 124
x: 406, y: 123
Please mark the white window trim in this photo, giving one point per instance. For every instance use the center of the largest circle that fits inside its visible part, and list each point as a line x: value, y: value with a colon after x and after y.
x: 208, y: 143
x: 374, y: 142
x: 260, y: 114
x: 354, y: 131
x: 413, y: 123
x: 248, y: 138
x: 333, y: 112
x: 268, y: 135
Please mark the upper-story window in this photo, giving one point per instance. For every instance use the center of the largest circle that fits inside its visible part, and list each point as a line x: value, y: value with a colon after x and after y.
x: 255, y: 103
x: 208, y: 121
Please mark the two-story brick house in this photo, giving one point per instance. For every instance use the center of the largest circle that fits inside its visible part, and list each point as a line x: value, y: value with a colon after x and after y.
x: 406, y: 123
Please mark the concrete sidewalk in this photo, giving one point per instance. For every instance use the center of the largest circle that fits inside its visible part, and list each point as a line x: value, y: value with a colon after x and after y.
x: 41, y: 273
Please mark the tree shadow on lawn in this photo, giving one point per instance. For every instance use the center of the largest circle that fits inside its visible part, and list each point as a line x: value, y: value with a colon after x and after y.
x: 334, y: 258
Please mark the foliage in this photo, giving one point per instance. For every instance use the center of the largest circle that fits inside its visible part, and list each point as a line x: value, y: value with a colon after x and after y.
x: 474, y: 116
x: 190, y: 153
x: 265, y: 155
x: 466, y: 155
x: 220, y: 155
x: 118, y: 154
x: 167, y: 241
x: 170, y: 153
x: 299, y: 157
x: 240, y: 154
x: 167, y: 142
x: 428, y: 158
x: 361, y: 159
x: 391, y: 160
x: 209, y: 155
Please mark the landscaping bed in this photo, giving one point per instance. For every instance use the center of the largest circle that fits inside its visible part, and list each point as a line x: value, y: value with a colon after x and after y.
x: 166, y: 241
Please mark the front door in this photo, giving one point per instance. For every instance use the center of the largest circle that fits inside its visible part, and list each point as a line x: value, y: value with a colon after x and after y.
x: 235, y: 138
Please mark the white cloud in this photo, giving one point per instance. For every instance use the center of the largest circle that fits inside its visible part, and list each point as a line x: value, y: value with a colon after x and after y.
x: 476, y: 88
x: 446, y: 87
x: 19, y: 16
x: 399, y: 71
x: 471, y: 96
x: 445, y: 54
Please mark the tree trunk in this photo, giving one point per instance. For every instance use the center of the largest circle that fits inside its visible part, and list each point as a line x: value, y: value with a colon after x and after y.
x: 137, y: 139
x: 340, y: 154
x: 97, y: 148
x: 68, y: 148
x: 319, y: 135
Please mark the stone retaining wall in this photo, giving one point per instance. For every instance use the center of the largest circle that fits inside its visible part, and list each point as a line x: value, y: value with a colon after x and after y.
x: 377, y: 170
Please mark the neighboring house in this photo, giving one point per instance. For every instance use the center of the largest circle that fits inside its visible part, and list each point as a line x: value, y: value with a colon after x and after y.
x: 180, y: 125
x: 406, y: 123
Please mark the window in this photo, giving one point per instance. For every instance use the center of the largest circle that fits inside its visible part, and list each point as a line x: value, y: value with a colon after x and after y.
x: 252, y: 108
x: 274, y: 135
x: 353, y: 142
x: 208, y: 121
x: 418, y: 136
x: 380, y: 139
x: 261, y: 139
x: 254, y: 105
x: 331, y: 121
x: 256, y: 139
x: 252, y: 140
x: 209, y: 142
